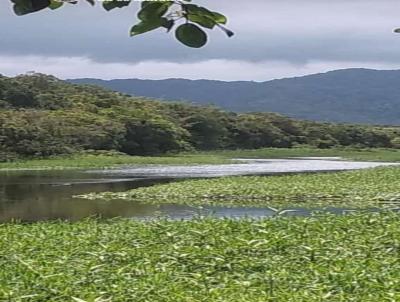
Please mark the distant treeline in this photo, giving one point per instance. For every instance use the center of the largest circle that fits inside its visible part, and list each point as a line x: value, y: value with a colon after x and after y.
x: 43, y: 116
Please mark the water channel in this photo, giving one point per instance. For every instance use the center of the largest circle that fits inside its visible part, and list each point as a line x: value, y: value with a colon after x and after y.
x: 46, y: 195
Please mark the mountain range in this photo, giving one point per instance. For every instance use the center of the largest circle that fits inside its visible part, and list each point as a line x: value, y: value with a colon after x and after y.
x: 362, y: 96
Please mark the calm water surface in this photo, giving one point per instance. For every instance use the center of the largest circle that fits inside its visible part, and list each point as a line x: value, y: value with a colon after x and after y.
x: 44, y: 195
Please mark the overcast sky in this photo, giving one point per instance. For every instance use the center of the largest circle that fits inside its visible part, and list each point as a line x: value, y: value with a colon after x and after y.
x: 274, y: 39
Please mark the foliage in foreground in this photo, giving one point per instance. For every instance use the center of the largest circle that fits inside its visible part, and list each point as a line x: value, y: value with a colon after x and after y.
x: 152, y: 15
x: 363, y: 188
x: 328, y: 258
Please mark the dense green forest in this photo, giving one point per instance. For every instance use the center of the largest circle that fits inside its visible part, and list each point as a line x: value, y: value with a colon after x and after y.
x: 41, y: 116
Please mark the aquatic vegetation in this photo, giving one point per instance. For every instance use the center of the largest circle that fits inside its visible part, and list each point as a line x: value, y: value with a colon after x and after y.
x: 364, y: 188
x: 86, y: 161
x: 105, y: 161
x: 373, y: 154
x: 322, y: 258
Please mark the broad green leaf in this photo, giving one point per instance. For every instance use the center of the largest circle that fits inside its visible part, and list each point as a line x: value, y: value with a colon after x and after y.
x: 198, y: 10
x: 23, y: 7
x: 195, y: 10
x: 201, y: 20
x: 191, y: 35
x: 148, y: 25
x: 219, y: 18
x: 154, y: 10
x: 203, y: 16
x: 169, y: 24
x: 111, y: 4
x: 55, y: 4
x: 146, y: 3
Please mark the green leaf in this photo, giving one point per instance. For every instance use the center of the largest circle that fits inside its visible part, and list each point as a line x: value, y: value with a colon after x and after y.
x: 146, y: 2
x: 198, y: 10
x: 192, y: 9
x: 23, y: 7
x: 220, y: 18
x: 148, y: 25
x: 169, y: 24
x: 191, y: 35
x: 55, y: 4
x: 201, y: 20
x: 111, y: 4
x: 153, y: 10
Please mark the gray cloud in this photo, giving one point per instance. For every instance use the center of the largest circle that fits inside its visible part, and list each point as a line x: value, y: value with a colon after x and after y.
x: 294, y: 32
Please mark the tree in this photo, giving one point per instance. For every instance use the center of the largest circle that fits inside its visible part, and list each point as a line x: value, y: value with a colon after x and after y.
x: 188, y: 19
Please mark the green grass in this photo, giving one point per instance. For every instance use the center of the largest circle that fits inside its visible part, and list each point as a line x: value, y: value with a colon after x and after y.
x: 212, y: 157
x: 321, y: 258
x: 327, y: 258
x: 105, y: 161
x: 390, y: 155
x: 363, y: 188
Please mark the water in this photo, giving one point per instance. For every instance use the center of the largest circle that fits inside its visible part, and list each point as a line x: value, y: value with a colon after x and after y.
x: 45, y: 195
x: 248, y: 167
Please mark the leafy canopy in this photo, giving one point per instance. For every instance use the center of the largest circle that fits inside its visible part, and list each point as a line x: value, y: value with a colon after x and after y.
x: 189, y: 19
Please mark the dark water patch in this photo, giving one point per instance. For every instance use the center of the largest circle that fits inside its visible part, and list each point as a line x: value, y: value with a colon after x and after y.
x: 44, y: 195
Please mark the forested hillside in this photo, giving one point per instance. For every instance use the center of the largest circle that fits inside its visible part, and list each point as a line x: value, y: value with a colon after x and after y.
x: 41, y: 116
x: 350, y: 95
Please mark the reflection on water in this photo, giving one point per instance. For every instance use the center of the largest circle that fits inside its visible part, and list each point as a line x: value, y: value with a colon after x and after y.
x: 42, y: 195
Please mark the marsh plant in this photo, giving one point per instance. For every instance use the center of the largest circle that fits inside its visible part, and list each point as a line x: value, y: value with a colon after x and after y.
x: 379, y: 187
x: 319, y: 258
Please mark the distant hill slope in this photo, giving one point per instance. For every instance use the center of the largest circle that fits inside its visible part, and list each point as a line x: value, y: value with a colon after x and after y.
x: 349, y: 95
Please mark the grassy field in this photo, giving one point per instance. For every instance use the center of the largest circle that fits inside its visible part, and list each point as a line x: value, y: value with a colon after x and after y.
x: 326, y: 258
x: 363, y: 188
x: 214, y: 157
x: 104, y: 161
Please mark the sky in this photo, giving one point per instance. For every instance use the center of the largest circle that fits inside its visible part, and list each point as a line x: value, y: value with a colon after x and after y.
x: 273, y: 39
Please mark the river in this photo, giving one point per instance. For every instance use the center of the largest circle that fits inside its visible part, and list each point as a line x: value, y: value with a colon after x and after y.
x: 46, y: 195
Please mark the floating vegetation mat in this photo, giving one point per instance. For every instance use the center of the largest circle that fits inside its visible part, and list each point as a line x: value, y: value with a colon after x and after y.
x: 320, y: 258
x: 379, y: 187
